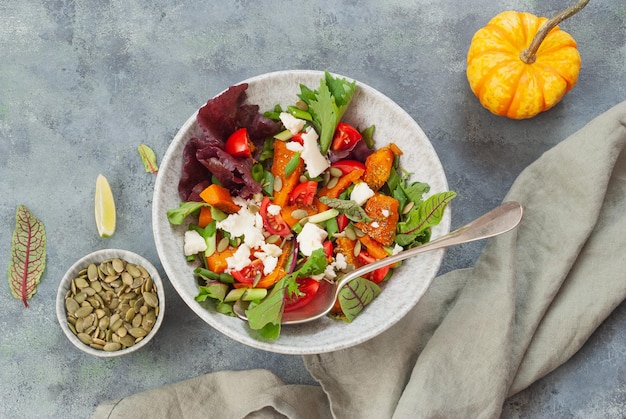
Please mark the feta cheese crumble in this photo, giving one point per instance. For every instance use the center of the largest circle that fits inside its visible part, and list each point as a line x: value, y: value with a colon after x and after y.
x: 293, y: 124
x: 294, y: 146
x: 311, y: 238
x: 314, y: 161
x: 273, y: 209
x: 361, y: 193
x: 269, y: 264
x: 249, y: 225
x: 245, y: 223
x: 240, y: 259
x: 338, y: 264
x: 194, y: 243
x: 269, y: 254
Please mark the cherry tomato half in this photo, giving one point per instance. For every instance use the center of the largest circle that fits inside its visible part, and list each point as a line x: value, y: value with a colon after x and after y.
x: 328, y: 250
x: 250, y: 272
x: 298, y: 138
x: 347, y: 165
x: 308, y: 288
x: 379, y: 274
x: 342, y: 221
x: 274, y: 224
x: 303, y: 193
x: 345, y: 137
x: 239, y: 144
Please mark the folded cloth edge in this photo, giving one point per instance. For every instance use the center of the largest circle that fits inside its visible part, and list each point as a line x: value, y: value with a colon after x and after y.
x: 609, y: 124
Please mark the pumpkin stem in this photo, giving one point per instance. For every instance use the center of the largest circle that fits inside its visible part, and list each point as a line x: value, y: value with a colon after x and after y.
x: 529, y: 54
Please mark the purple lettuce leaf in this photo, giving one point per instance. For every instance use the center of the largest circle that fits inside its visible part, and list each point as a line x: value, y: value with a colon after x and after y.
x: 218, y: 118
x: 205, y: 157
x: 358, y: 152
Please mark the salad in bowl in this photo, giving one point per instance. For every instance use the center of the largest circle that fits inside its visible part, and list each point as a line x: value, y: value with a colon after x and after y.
x: 274, y: 199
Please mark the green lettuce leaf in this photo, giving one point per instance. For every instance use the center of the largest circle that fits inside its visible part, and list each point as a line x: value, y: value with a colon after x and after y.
x: 177, y: 216
x: 214, y: 290
x: 327, y: 105
x: 415, y: 191
x: 265, y: 316
x: 224, y: 308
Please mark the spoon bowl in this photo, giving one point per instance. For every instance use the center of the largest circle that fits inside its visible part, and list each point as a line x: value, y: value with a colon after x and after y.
x: 497, y: 221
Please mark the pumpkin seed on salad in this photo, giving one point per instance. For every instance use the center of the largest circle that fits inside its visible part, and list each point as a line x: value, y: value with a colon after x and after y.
x: 278, y: 201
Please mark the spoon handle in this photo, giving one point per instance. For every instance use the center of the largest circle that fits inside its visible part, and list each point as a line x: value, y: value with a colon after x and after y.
x: 497, y: 221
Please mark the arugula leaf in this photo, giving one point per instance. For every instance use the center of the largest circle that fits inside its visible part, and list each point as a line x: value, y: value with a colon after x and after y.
x: 394, y: 181
x: 399, y: 194
x: 327, y: 105
x: 415, y: 191
x: 265, y: 316
x: 411, y: 240
x: 177, y: 216
x: 314, y: 265
x: 355, y: 295
x: 406, y: 192
x: 349, y: 207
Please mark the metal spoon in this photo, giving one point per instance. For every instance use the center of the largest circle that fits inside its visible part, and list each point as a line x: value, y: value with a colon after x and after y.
x: 497, y: 221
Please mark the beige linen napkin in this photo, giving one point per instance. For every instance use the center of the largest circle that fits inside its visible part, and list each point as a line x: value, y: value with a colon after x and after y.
x: 479, y: 335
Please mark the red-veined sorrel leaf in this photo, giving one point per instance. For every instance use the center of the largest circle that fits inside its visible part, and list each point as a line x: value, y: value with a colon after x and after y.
x: 431, y: 211
x: 148, y: 158
x: 28, y: 254
x: 356, y: 295
x: 428, y: 214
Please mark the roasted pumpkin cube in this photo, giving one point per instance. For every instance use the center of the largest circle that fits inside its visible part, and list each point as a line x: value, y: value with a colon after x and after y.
x: 383, y: 212
x: 378, y: 166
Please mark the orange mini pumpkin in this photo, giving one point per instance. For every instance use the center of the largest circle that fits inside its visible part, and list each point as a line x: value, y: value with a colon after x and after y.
x: 520, y: 65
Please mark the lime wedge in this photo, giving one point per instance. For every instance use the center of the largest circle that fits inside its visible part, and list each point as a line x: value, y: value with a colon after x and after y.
x: 105, y: 207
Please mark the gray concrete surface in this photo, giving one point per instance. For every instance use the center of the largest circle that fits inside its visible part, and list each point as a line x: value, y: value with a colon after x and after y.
x: 84, y: 82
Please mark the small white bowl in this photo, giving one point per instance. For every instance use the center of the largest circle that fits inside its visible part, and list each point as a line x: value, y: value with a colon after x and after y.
x: 97, y: 257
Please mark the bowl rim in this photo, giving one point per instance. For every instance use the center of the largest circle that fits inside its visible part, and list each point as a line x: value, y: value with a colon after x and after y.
x: 99, y: 256
x: 159, y: 231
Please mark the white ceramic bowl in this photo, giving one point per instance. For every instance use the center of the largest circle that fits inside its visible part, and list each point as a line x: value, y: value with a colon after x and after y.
x: 399, y: 295
x: 98, y: 257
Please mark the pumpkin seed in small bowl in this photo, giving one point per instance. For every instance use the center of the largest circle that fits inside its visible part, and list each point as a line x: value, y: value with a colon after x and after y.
x: 110, y: 303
